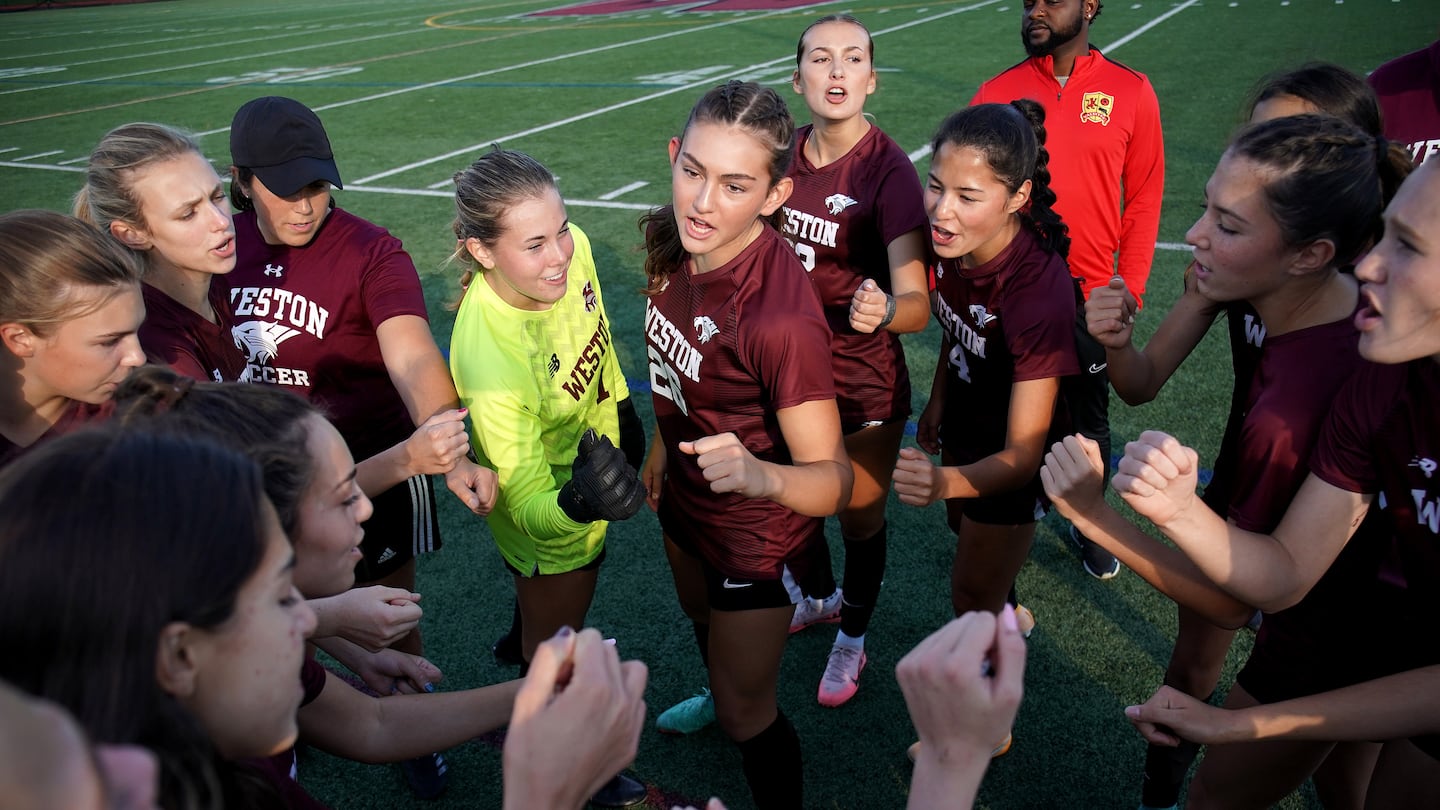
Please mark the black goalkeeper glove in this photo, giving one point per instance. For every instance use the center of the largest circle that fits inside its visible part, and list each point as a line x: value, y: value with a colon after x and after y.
x: 602, y: 486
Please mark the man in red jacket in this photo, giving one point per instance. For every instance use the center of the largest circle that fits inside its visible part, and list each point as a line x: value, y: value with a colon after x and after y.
x: 1107, y: 167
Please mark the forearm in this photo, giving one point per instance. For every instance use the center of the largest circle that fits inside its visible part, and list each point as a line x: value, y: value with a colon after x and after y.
x: 1165, y: 568
x: 946, y: 780
x: 1005, y: 471
x: 1394, y: 707
x: 1255, y: 569
x: 383, y: 470
x: 817, y: 489
x: 348, y: 653
x: 400, y: 727
x: 1132, y: 375
x: 912, y: 313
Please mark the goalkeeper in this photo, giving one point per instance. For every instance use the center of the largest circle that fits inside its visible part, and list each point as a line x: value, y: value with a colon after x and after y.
x: 532, y: 358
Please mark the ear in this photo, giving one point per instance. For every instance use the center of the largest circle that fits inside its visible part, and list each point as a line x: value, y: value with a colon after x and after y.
x: 1313, y: 257
x: 776, y: 197
x: 480, y: 253
x: 795, y: 82
x: 1019, y: 199
x: 870, y: 85
x: 236, y: 181
x: 18, y: 339
x: 1088, y: 7
x: 175, y: 664
x: 674, y: 150
x: 130, y: 236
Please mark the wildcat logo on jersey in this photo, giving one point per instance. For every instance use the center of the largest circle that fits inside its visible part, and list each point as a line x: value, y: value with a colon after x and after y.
x: 981, y: 316
x: 836, y: 203
x: 705, y: 329
x: 590, y: 300
x: 1095, y: 108
x: 273, y: 270
x: 1425, y: 465
x: 260, y: 340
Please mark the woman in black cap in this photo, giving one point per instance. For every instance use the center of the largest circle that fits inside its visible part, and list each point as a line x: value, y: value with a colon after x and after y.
x: 330, y: 306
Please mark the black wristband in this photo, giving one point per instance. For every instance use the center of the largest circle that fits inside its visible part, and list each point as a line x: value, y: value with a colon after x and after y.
x: 889, y: 311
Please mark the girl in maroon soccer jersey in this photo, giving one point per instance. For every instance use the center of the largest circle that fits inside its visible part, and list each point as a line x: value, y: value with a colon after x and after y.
x: 1006, y: 302
x: 1292, y: 201
x: 857, y: 222
x: 70, y: 306
x: 747, y: 456
x: 151, y: 189
x: 1137, y: 376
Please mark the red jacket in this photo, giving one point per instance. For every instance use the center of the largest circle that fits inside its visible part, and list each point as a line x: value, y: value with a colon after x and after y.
x: 1104, y: 139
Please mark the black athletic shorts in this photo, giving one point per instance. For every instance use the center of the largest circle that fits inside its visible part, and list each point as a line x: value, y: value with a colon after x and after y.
x: 403, y: 527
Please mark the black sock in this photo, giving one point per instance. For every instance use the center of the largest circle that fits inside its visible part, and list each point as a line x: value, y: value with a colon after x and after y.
x: 1165, y: 770
x: 702, y: 639
x: 515, y: 628
x: 773, y: 768
x: 524, y: 668
x: 1013, y: 598
x: 864, y: 571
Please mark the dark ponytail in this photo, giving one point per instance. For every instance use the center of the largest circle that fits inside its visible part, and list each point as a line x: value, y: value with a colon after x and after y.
x: 1012, y: 139
x: 762, y: 113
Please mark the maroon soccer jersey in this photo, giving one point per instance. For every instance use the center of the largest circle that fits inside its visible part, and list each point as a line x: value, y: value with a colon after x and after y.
x: 1409, y: 91
x: 1008, y: 320
x: 1247, y: 335
x: 307, y: 318
x: 78, y: 415
x: 179, y: 337
x: 1383, y: 437
x: 841, y: 219
x: 728, y: 349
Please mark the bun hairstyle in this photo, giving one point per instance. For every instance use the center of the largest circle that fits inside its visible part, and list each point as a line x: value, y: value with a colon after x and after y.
x: 264, y: 422
x: 1012, y: 139
x: 1325, y: 179
x: 484, y: 191
x: 764, y: 116
x: 47, y: 258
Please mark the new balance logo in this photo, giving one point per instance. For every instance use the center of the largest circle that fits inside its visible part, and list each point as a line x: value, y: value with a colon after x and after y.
x: 272, y: 270
x: 705, y: 328
x: 836, y: 203
x: 554, y: 365
x: 733, y: 585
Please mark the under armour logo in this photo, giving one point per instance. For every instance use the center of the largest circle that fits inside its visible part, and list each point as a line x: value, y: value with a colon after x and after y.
x: 272, y: 270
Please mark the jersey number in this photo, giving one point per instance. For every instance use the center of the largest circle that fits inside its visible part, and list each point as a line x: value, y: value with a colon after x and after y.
x: 665, y: 382
x: 806, y: 254
x: 958, y: 362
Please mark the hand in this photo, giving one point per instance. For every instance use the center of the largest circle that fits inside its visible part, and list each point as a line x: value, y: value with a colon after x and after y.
x: 1073, y: 476
x: 1110, y: 314
x: 960, y: 709
x: 475, y: 486
x: 438, y: 443
x: 869, y: 307
x: 1170, y: 716
x: 653, y: 474
x: 390, y: 672
x: 1157, y: 477
x: 927, y: 429
x: 728, y: 466
x: 576, y: 722
x: 602, y: 486
x: 373, y: 617
x: 917, y: 480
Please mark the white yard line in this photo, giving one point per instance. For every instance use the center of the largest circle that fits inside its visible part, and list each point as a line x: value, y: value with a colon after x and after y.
x: 626, y: 189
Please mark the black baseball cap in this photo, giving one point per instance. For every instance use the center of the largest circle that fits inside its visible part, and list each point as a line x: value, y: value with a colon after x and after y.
x: 283, y: 142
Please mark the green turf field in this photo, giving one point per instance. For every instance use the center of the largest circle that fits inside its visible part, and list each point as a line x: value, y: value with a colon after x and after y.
x: 411, y: 91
